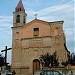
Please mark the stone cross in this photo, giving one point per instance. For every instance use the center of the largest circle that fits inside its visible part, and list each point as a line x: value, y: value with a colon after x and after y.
x: 5, y: 50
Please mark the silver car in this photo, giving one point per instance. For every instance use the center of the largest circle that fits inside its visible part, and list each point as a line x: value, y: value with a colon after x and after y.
x: 47, y: 72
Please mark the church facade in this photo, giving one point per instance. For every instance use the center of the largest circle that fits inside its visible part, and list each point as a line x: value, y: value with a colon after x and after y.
x: 30, y: 40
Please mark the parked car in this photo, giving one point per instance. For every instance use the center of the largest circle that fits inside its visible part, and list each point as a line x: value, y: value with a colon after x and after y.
x: 47, y: 72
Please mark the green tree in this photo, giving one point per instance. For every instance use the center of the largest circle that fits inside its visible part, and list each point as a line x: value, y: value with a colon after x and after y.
x: 48, y: 60
x: 1, y: 60
x: 71, y: 59
x: 65, y: 63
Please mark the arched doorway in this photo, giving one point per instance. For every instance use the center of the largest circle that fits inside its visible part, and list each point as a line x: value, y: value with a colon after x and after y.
x: 36, y: 65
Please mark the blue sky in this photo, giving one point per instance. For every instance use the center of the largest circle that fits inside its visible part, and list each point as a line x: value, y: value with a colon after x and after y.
x: 48, y: 10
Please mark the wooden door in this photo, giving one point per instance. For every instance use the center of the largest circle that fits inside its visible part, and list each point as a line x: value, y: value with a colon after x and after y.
x: 36, y: 65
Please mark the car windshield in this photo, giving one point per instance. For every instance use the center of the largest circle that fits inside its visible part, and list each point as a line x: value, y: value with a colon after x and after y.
x: 52, y: 73
x: 47, y: 72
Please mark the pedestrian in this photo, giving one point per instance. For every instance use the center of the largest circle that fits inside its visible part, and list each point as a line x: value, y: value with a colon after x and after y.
x: 13, y: 72
x: 71, y: 73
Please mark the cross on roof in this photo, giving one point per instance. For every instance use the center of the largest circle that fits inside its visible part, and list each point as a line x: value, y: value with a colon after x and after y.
x: 35, y: 16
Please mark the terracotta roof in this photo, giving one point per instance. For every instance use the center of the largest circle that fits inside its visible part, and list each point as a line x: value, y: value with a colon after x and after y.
x: 20, y: 6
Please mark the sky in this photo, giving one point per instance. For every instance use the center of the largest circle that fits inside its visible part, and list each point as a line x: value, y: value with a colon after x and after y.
x: 48, y: 10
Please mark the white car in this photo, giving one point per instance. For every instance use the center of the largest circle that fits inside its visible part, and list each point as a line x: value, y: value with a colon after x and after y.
x: 47, y: 72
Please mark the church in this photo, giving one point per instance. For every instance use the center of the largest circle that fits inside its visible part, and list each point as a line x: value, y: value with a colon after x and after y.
x: 35, y: 38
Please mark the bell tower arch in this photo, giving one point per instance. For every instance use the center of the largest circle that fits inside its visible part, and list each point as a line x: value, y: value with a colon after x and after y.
x: 19, y: 15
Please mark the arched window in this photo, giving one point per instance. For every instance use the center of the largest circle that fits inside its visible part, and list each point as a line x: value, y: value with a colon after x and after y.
x: 18, y: 19
x: 17, y: 35
x: 56, y: 31
x: 36, y: 65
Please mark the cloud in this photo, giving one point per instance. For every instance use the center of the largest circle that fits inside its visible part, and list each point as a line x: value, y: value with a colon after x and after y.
x: 5, y: 30
x: 32, y: 3
x: 5, y: 22
x: 54, y: 9
x: 5, y: 19
x: 53, y: 13
x: 36, y: 2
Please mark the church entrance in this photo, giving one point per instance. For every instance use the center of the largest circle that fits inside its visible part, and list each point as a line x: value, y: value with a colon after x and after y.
x: 36, y: 65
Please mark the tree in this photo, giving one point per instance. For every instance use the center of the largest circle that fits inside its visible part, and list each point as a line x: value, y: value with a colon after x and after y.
x: 48, y: 60
x: 1, y: 60
x: 55, y: 60
x: 65, y: 63
x: 71, y: 59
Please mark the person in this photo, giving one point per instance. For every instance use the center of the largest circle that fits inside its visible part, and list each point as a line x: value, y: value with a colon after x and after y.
x: 13, y: 72
x: 71, y: 73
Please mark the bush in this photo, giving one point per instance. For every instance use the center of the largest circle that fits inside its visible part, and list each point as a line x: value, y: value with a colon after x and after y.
x: 65, y: 63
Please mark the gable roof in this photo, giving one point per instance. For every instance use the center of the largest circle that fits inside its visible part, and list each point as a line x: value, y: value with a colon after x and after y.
x: 35, y: 20
x: 40, y: 20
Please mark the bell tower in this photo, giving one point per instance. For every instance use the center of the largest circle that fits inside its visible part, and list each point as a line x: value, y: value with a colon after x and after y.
x: 19, y: 19
x: 19, y: 15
